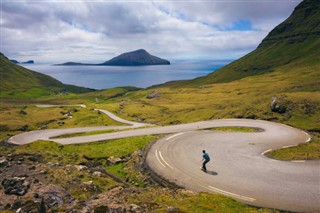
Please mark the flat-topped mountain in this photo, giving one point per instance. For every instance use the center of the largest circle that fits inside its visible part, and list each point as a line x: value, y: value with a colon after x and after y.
x: 135, y: 58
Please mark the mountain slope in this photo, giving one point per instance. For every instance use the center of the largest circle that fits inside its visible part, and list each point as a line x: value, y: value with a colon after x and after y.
x: 15, y: 77
x: 136, y: 58
x: 294, y: 42
x: 284, y: 68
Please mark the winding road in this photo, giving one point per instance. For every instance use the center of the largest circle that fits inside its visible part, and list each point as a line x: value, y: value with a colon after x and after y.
x: 238, y: 166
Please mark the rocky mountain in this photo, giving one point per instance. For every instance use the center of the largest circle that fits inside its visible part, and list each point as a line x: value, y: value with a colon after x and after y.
x: 135, y: 58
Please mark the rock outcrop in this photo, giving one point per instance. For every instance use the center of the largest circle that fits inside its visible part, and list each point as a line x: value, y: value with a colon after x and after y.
x: 153, y: 94
x: 277, y: 105
x: 15, y: 186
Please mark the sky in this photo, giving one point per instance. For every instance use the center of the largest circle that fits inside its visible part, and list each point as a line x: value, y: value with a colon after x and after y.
x: 54, y: 31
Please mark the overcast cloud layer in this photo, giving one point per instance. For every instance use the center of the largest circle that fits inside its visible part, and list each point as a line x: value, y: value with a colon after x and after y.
x: 95, y: 31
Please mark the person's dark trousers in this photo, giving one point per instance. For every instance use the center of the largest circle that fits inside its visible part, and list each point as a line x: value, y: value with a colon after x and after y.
x: 204, y: 165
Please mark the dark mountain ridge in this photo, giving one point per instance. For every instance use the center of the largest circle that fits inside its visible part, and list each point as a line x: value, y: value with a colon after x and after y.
x: 135, y: 58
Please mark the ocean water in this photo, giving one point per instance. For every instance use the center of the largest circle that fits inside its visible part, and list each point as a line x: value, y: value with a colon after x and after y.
x: 103, y: 77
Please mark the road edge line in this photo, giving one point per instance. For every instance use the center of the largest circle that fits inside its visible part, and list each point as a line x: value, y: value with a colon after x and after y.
x: 229, y: 194
x: 159, y: 159
x: 164, y: 160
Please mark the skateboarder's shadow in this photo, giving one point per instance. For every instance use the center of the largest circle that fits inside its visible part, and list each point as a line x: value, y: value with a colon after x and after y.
x: 212, y: 173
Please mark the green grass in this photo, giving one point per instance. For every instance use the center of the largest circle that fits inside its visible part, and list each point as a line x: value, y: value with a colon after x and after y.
x: 94, y: 132
x: 74, y: 154
x: 160, y: 199
x: 236, y: 129
x: 247, y: 98
x: 306, y: 151
x: 117, y: 148
x: 26, y: 93
x: 84, y: 133
x: 117, y: 170
x: 15, y: 117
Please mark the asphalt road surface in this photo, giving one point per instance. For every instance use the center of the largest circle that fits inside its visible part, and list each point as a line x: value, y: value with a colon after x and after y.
x: 238, y: 167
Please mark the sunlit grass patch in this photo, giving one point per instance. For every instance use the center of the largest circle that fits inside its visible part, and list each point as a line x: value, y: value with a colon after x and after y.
x: 117, y: 148
x: 236, y: 129
x: 84, y: 133
x: 306, y: 151
x: 74, y: 154
x: 31, y: 118
x: 160, y: 199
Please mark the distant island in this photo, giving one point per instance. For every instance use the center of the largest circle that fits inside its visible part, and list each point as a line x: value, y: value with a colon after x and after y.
x: 135, y: 58
x: 26, y: 62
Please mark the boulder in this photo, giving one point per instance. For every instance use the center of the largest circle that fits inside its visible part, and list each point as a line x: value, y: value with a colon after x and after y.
x: 32, y: 168
x: 88, y: 183
x: 172, y: 209
x: 113, y: 160
x: 4, y: 162
x: 97, y: 174
x: 53, y: 195
x: 136, y: 208
x: 103, y: 209
x: 15, y: 186
x: 80, y: 167
x: 153, y: 94
x: 277, y: 105
x: 34, y: 158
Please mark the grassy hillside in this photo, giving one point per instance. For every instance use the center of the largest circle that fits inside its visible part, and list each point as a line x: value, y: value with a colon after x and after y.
x: 285, y: 66
x: 295, y: 41
x: 17, y: 81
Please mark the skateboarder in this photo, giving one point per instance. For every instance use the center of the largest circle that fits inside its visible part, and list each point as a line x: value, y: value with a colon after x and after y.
x: 205, y: 160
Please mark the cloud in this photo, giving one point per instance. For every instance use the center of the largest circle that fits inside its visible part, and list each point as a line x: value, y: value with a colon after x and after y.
x: 58, y: 31
x: 225, y: 13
